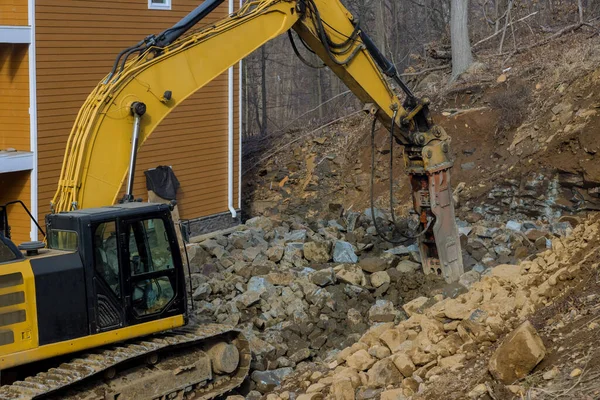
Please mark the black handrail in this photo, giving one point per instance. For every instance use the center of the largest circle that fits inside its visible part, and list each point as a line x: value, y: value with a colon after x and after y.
x: 4, y: 227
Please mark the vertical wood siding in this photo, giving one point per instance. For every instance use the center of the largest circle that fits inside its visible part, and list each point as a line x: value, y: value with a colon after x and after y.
x: 16, y: 186
x: 14, y: 97
x: 77, y: 41
x: 13, y: 12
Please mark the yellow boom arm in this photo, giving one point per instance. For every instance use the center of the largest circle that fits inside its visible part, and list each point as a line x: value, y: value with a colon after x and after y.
x: 140, y: 94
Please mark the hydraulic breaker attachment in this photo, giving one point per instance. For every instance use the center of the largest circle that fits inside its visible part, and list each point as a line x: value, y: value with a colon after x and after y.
x: 428, y: 163
x: 438, y: 239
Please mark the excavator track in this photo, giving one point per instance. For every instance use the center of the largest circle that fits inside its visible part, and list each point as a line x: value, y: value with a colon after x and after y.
x: 178, y: 364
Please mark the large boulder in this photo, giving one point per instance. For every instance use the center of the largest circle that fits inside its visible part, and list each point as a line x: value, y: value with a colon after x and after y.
x: 518, y: 354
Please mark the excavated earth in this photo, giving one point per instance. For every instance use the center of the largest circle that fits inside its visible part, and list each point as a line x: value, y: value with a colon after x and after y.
x: 333, y: 311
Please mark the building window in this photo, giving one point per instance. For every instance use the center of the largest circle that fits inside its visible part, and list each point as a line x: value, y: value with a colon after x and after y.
x: 159, y: 4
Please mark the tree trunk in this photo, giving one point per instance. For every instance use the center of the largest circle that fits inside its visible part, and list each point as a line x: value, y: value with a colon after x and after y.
x: 462, y: 57
x: 263, y: 70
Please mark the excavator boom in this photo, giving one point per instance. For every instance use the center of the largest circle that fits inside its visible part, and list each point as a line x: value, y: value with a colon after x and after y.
x: 162, y: 71
x: 103, y: 258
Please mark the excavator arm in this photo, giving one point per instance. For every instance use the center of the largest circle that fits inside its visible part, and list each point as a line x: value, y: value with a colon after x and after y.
x: 153, y: 77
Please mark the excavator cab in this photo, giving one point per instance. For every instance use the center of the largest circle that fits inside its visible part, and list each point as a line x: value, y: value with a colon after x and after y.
x: 133, y: 272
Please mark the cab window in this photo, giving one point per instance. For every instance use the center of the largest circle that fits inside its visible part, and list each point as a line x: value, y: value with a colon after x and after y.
x: 106, y: 259
x: 149, y: 254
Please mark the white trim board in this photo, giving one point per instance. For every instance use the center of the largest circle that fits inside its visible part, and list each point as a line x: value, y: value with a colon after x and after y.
x: 15, y: 34
x: 14, y: 161
x: 33, y: 130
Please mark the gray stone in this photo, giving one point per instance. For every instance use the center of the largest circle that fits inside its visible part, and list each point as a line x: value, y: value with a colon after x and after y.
x: 248, y: 298
x: 382, y: 311
x: 323, y: 277
x: 479, y: 268
x: 368, y: 215
x: 351, y: 220
x: 198, y: 257
x: 202, y: 292
x: 251, y: 253
x: 561, y: 228
x: 384, y: 373
x: 464, y: 230
x: 300, y: 355
x: 502, y: 250
x: 469, y: 278
x: 260, y: 285
x: 266, y: 381
x: 514, y: 226
x: 297, y: 236
x: 260, y: 222
x: 407, y: 266
x: 343, y: 252
x: 294, y: 254
x: 403, y: 250
x: 467, y: 166
x: 334, y: 224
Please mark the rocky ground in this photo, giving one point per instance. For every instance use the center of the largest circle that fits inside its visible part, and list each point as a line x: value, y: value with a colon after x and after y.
x: 304, y: 291
x: 333, y: 311
x: 483, y: 343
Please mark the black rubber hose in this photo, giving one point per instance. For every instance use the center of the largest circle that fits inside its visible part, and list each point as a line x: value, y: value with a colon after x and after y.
x: 372, y: 187
x: 293, y: 43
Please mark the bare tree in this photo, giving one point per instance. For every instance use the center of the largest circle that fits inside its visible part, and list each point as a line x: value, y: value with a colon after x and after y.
x: 462, y: 57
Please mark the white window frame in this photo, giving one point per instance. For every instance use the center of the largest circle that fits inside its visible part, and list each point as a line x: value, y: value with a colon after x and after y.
x: 155, y: 6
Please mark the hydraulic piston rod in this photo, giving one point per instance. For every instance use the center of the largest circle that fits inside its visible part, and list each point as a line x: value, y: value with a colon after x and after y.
x: 138, y: 109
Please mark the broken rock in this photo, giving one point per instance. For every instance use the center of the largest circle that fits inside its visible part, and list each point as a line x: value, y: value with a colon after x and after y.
x: 373, y: 264
x: 323, y: 277
x: 404, y: 364
x: 379, y: 278
x: 342, y: 389
x: 518, y: 354
x: 319, y: 252
x: 382, y: 311
x: 351, y: 274
x: 361, y: 360
x: 415, y: 306
x: 408, y: 266
x: 266, y: 381
x: 343, y: 252
x: 384, y: 373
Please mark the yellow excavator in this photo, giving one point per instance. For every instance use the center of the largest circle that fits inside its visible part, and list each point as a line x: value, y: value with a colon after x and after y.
x: 99, y: 311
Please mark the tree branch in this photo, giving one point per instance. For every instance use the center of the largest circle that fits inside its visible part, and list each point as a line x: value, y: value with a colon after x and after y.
x: 441, y: 67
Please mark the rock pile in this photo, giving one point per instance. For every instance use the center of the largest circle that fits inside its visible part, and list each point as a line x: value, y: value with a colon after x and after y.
x: 302, y: 290
x: 441, y: 335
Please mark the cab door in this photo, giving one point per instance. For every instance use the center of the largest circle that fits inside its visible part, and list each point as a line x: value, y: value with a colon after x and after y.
x: 152, y: 275
x: 107, y: 278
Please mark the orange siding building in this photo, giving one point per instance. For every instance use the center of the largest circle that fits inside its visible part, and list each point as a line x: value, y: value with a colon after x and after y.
x: 52, y: 54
